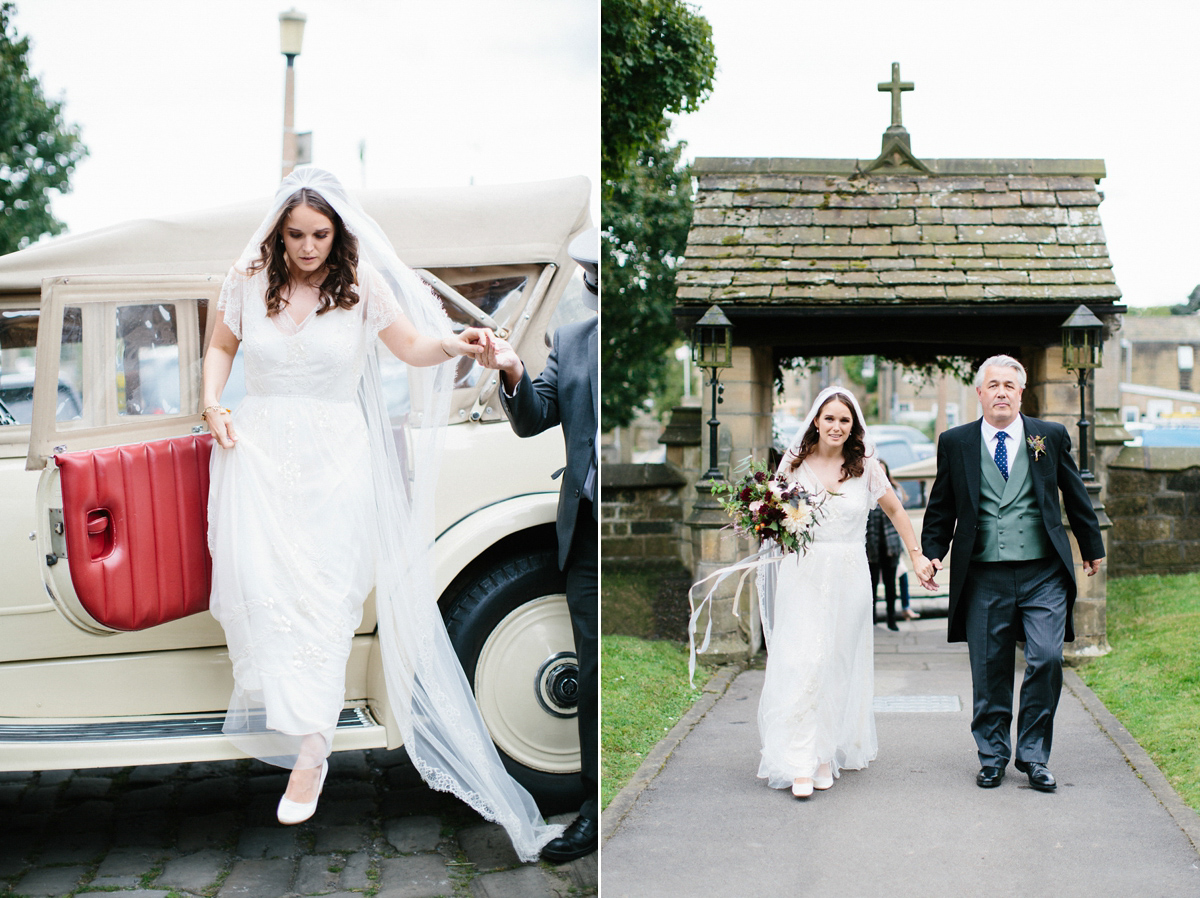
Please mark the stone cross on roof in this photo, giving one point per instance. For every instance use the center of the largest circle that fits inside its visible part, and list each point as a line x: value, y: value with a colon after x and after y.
x: 897, y: 145
x: 895, y: 87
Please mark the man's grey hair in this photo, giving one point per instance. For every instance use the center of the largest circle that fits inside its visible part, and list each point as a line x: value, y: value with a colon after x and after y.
x: 1001, y: 361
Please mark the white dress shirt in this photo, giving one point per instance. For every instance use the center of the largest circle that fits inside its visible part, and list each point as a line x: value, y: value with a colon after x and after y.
x: 1016, y: 437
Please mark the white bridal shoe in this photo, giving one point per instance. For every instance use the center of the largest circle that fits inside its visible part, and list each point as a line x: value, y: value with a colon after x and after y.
x: 824, y: 780
x: 292, y: 812
x: 802, y: 789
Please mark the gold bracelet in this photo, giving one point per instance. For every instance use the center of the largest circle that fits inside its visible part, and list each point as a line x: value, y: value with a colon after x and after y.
x: 204, y: 414
x: 442, y: 343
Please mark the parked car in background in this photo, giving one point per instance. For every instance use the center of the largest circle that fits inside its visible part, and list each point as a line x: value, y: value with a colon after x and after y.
x: 922, y: 446
x: 900, y: 445
x: 16, y: 392
x: 102, y: 337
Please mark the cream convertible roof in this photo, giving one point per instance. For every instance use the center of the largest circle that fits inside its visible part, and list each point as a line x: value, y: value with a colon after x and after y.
x: 430, y: 228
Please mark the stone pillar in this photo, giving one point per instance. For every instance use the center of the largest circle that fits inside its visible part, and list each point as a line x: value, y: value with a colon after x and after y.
x: 1053, y: 394
x: 745, y: 416
x: 682, y: 439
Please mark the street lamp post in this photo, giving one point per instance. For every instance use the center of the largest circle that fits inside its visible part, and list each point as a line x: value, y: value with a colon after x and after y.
x: 1083, y: 348
x: 291, y: 37
x: 712, y: 348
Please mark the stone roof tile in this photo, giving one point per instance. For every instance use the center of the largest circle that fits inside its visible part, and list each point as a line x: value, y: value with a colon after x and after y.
x: 801, y: 230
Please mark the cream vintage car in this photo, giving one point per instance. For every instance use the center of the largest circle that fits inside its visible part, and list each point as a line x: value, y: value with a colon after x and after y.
x: 101, y: 338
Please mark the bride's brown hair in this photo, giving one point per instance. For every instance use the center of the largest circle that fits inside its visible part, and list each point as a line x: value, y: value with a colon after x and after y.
x: 341, y: 266
x: 854, y: 450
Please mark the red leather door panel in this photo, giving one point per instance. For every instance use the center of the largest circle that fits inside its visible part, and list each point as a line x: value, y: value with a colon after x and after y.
x: 136, y: 527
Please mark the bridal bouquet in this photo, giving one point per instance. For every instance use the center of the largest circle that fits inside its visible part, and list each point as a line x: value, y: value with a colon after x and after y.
x: 766, y: 508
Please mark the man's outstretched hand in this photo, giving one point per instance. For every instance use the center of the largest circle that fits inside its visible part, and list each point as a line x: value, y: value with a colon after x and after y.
x: 498, y: 355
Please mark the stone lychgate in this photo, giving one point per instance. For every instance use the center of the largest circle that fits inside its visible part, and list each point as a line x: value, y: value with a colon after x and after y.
x: 897, y: 256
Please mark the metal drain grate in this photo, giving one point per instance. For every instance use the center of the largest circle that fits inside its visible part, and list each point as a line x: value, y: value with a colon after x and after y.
x: 886, y: 703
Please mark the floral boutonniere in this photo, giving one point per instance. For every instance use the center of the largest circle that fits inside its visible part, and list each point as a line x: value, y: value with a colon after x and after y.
x: 1037, y: 444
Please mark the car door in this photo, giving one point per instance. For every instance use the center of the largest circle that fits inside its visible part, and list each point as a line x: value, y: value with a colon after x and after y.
x: 127, y: 351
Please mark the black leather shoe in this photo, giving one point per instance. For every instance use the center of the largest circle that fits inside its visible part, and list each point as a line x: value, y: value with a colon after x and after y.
x: 1039, y: 777
x: 578, y: 840
x: 989, y: 777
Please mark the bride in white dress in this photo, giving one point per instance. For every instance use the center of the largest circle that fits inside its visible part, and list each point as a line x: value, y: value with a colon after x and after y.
x: 309, y: 507
x: 815, y: 716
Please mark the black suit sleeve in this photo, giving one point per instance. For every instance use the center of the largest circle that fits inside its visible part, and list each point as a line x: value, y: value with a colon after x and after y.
x: 1078, y: 504
x: 937, y: 527
x: 534, y: 406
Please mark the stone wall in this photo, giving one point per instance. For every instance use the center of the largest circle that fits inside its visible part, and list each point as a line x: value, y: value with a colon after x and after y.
x: 642, y: 513
x: 1154, y: 503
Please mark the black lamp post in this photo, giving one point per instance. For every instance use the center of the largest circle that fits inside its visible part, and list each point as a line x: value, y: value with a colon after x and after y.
x: 712, y: 348
x: 1083, y: 348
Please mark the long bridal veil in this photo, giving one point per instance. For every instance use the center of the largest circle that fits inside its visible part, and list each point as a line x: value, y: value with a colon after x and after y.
x: 428, y: 693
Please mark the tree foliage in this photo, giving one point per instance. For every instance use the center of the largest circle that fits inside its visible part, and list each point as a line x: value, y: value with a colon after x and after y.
x: 38, y: 150
x: 646, y: 222
x: 657, y: 56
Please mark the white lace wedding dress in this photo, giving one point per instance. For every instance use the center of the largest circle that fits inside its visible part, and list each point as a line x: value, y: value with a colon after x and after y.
x: 292, y: 516
x: 816, y: 699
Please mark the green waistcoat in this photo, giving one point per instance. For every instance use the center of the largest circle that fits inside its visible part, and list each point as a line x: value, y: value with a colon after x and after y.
x: 1010, y: 524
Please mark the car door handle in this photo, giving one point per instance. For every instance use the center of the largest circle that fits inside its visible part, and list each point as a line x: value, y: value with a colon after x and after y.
x: 100, y: 532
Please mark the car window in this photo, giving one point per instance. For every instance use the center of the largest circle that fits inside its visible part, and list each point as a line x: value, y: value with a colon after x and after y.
x: 141, y: 376
x: 504, y: 292
x: 490, y: 295
x: 147, y: 359
x: 70, y: 365
x: 498, y: 297
x: 18, y: 337
x: 18, y: 341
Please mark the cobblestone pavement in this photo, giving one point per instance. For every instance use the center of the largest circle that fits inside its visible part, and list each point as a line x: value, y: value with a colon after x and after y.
x: 209, y: 829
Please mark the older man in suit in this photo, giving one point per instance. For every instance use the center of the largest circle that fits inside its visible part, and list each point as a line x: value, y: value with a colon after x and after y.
x: 567, y: 392
x: 1011, y: 573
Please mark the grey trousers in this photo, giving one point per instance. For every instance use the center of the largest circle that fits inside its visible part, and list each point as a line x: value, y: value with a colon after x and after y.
x: 1007, y: 601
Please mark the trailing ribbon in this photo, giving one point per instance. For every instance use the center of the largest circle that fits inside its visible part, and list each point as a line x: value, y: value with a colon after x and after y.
x: 768, y: 553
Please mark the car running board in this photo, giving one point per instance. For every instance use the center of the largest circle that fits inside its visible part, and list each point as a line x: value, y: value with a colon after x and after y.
x: 173, y: 739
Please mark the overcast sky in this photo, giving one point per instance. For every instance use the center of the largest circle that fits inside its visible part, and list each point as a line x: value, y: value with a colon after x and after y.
x: 181, y: 104
x: 1117, y: 81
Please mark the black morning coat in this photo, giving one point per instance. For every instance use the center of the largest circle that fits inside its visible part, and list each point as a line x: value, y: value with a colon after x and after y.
x: 952, y: 512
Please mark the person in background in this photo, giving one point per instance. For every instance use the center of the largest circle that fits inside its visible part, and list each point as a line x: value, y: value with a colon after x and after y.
x: 884, y: 551
x: 902, y: 583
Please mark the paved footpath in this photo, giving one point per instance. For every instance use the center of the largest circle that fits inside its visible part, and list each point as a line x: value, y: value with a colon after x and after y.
x: 696, y: 821
x: 210, y: 830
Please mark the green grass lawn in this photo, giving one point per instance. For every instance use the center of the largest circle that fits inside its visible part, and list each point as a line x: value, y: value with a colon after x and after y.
x: 643, y: 692
x: 627, y: 606
x: 1151, y: 679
